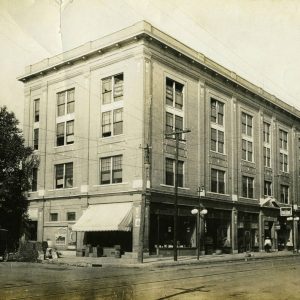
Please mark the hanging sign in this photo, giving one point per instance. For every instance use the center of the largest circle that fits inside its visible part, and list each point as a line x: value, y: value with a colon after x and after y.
x: 285, y: 211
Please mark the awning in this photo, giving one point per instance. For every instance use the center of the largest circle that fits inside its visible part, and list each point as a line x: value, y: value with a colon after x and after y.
x: 106, y: 217
x: 269, y: 202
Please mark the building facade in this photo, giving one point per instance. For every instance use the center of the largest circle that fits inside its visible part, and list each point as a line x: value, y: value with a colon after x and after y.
x: 99, y: 118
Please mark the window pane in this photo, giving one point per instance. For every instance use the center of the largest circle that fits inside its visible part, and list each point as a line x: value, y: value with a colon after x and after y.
x: 118, y: 87
x: 36, y: 139
x: 169, y: 172
x: 59, y: 175
x: 69, y: 175
x: 178, y: 123
x: 169, y: 92
x: 61, y: 104
x: 105, y: 170
x: 178, y: 95
x: 214, y: 187
x: 169, y: 122
x: 36, y: 110
x: 34, y: 179
x: 244, y: 186
x: 117, y: 169
x: 118, y: 121
x: 213, y: 110
x: 70, y: 132
x: 60, y: 134
x: 71, y: 216
x: 70, y: 101
x: 106, y: 124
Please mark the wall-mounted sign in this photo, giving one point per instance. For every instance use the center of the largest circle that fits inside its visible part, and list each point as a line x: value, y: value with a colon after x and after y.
x: 285, y: 211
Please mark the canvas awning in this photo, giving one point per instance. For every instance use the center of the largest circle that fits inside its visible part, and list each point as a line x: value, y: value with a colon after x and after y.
x: 105, y: 217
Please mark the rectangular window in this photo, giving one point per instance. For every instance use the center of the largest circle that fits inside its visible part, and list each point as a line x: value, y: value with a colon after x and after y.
x: 247, y: 187
x: 70, y: 132
x: 284, y: 194
x: 111, y: 169
x: 247, y: 150
x: 268, y: 188
x: 217, y: 181
x: 36, y: 139
x: 283, y: 137
x: 71, y: 216
x: 170, y: 172
x: 174, y: 123
x: 37, y: 110
x: 112, y: 88
x: 217, y: 112
x: 283, y: 161
x: 65, y: 102
x: 64, y: 176
x: 267, y: 157
x: 53, y: 217
x: 217, y: 140
x: 117, y: 117
x: 34, y: 179
x: 247, y: 124
x: 266, y: 132
x: 65, y: 133
x: 174, y: 93
x: 60, y: 134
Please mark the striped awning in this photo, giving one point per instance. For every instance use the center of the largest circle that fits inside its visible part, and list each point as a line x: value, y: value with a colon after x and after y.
x: 106, y: 217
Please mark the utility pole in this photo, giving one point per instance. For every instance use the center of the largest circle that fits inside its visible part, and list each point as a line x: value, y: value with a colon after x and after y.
x: 177, y: 134
x: 140, y: 257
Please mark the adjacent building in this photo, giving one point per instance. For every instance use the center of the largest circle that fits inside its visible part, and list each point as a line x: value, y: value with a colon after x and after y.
x: 99, y: 118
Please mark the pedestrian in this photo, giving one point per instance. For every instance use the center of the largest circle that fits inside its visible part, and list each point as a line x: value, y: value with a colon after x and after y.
x: 268, y: 244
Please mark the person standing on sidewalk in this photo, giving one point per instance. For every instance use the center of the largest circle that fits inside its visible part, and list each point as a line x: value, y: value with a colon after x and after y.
x: 268, y: 244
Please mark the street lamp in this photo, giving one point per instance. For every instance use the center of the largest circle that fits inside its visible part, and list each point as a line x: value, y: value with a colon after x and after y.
x: 201, y: 212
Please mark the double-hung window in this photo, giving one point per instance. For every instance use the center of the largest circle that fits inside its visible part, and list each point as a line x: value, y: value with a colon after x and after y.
x: 247, y: 139
x: 170, y: 172
x: 37, y: 110
x: 111, y: 169
x: 267, y: 144
x: 65, y: 117
x: 112, y: 89
x: 217, y: 181
x: 34, y: 179
x: 112, y: 122
x: 217, y: 126
x: 53, y: 217
x: 247, y: 186
x: 174, y: 107
x: 267, y: 188
x: 36, y: 138
x: 71, y: 216
x: 283, y: 151
x: 64, y: 176
x: 284, y: 194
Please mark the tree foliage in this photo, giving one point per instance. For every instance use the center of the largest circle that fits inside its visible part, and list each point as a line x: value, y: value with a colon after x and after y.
x: 16, y: 163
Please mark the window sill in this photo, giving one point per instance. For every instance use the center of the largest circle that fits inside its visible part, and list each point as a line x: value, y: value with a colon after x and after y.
x: 63, y: 189
x: 110, y: 184
x: 172, y: 186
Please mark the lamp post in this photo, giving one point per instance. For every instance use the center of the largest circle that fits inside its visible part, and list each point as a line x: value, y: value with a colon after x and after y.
x: 201, y: 212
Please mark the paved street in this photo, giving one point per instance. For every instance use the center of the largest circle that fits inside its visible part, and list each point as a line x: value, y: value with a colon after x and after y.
x: 254, y: 279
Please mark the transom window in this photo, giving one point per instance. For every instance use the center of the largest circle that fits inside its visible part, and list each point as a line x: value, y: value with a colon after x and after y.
x: 217, y: 181
x: 112, y: 89
x: 170, y: 172
x: 111, y: 169
x: 247, y: 186
x: 246, y: 124
x: 65, y: 102
x: 284, y: 194
x: 268, y: 188
x: 112, y: 122
x: 174, y: 93
x: 64, y: 176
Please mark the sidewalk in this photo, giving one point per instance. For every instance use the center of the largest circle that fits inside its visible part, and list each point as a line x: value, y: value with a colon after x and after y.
x: 159, y: 262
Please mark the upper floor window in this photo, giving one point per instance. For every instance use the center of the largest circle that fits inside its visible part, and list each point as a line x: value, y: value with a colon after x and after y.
x: 64, y: 176
x: 174, y: 123
x: 247, y: 150
x: 284, y: 194
x: 37, y: 110
x: 65, y: 133
x: 112, y: 88
x: 267, y: 157
x: 174, y: 93
x: 217, y: 181
x: 65, y: 102
x: 71, y: 216
x: 217, y: 112
x: 111, y: 169
x: 283, y: 137
x: 34, y: 179
x: 247, y: 186
x: 247, y: 124
x: 53, y: 217
x: 266, y: 132
x: 268, y: 188
x: 217, y: 140
x: 112, y: 122
x: 170, y: 172
x: 283, y: 161
x: 36, y: 139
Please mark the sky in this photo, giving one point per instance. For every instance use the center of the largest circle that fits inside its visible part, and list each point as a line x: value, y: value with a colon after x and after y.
x: 257, y: 39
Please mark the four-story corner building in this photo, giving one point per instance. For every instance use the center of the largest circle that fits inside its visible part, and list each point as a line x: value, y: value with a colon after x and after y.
x: 99, y: 118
